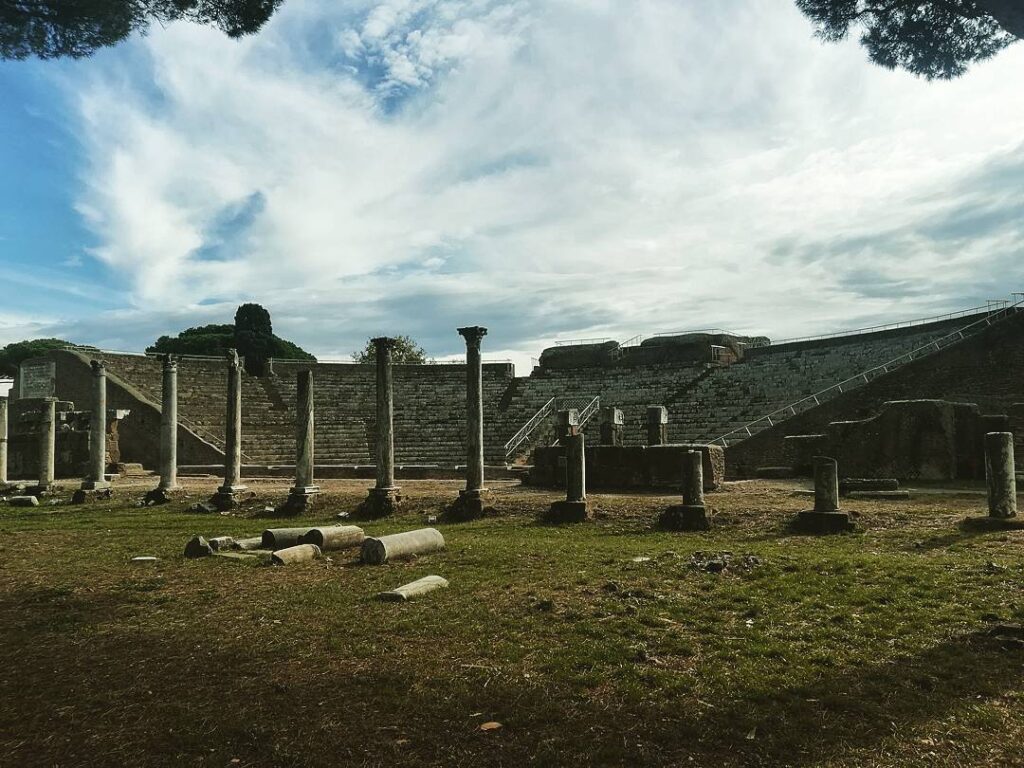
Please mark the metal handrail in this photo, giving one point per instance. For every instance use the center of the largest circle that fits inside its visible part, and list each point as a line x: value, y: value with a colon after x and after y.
x: 524, y: 432
x: 988, y: 308
x: 862, y: 378
x: 699, y: 330
x: 580, y: 342
x: 587, y: 413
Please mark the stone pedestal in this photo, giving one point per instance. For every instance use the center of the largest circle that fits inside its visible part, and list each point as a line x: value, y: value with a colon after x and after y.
x: 613, y: 425
x: 226, y: 497
x: 692, y: 514
x: 384, y: 499
x: 1000, y: 475
x: 567, y: 424
x: 97, y: 477
x: 300, y: 497
x: 826, y: 517
x: 657, y: 425
x: 575, y: 508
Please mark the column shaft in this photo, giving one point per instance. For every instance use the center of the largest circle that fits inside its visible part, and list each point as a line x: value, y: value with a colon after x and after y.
x: 304, y: 430
x: 47, y: 442
x: 575, y: 468
x: 826, y: 484
x: 169, y: 427
x: 233, y: 432
x: 693, y: 479
x: 385, y: 415
x: 1000, y: 474
x: 98, y: 427
x: 474, y: 408
x: 3, y: 439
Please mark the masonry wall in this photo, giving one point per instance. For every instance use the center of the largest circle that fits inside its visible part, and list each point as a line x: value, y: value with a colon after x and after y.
x: 986, y: 369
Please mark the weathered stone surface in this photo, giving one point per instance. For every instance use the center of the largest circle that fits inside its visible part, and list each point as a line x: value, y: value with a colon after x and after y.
x: 85, y: 495
x: 657, y: 425
x: 575, y: 508
x: 255, y: 542
x: 218, y: 543
x: 1000, y: 475
x: 879, y: 495
x: 471, y: 505
x: 414, y: 589
x: 685, y: 517
x: 198, y: 547
x: 824, y: 522
x: 826, y: 484
x: 629, y: 467
x: 160, y: 496
x: 301, y: 553
x: 850, y: 484
x: 282, y: 538
x: 562, y: 512
x: 376, y: 551
x: 380, y: 502
x: 23, y: 501
x: 334, y: 537
x: 168, y: 427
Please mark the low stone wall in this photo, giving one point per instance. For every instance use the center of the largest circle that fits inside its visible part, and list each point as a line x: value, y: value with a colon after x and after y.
x: 907, y: 440
x: 628, y: 467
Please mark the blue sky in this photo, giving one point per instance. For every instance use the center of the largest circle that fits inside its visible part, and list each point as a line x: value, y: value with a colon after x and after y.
x: 552, y: 169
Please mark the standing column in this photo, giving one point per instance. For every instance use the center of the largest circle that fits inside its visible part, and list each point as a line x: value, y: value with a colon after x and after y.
x: 472, y: 502
x: 692, y: 514
x: 1000, y: 474
x: 826, y: 517
x: 226, y: 496
x: 3, y: 440
x: 384, y: 498
x: 47, y: 442
x: 300, y: 496
x: 169, y: 426
x: 576, y: 507
x: 96, y: 477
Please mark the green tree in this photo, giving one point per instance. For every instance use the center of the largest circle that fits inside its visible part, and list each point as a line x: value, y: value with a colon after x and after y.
x: 52, y: 29
x: 15, y: 353
x: 252, y: 335
x: 406, y: 351
x: 935, y: 39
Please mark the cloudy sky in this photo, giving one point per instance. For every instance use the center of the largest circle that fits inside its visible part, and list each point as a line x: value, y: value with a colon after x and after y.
x: 552, y: 169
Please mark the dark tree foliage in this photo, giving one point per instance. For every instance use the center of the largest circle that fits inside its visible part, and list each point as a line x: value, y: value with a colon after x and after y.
x: 17, y: 352
x: 52, y: 29
x: 936, y: 39
x: 406, y: 351
x: 252, y: 335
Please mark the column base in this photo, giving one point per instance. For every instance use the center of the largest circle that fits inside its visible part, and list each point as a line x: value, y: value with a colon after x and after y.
x: 471, y: 505
x: 226, y: 497
x: 299, y: 500
x: 95, y: 485
x: 685, y: 517
x: 823, y: 522
x: 83, y: 495
x: 380, y: 502
x: 567, y: 512
x: 163, y: 495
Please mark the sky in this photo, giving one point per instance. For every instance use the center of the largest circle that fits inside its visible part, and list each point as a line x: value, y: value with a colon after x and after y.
x: 551, y: 169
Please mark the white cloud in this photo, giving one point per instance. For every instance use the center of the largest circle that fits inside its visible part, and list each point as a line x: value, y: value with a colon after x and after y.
x: 548, y: 167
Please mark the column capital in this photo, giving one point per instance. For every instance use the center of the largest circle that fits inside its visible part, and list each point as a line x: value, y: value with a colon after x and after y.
x: 473, y: 335
x: 99, y: 368
x: 170, y: 362
x: 232, y: 356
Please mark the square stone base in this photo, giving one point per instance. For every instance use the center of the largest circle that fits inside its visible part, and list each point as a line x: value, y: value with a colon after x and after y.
x: 380, y: 502
x: 84, y: 495
x: 568, y: 512
x: 471, y: 505
x: 226, y: 497
x: 95, y: 485
x: 299, y: 501
x: 685, y: 517
x: 823, y: 522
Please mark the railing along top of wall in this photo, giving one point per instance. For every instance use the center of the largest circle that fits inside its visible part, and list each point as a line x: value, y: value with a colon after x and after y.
x: 699, y: 330
x: 581, y: 342
x: 863, y: 377
x: 994, y: 306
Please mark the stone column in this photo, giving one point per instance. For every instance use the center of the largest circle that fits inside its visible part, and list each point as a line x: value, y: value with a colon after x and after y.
x: 227, y: 495
x: 96, y: 478
x: 657, y: 425
x: 474, y: 409
x: 691, y: 515
x: 384, y: 498
x: 3, y: 440
x: 576, y: 507
x: 169, y: 426
x: 826, y: 484
x: 301, y: 495
x: 47, y: 442
x: 826, y: 517
x: 472, y: 502
x: 999, y: 472
x: 612, y: 426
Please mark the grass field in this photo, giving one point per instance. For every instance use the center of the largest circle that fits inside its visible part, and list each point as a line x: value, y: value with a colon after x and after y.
x: 870, y: 649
